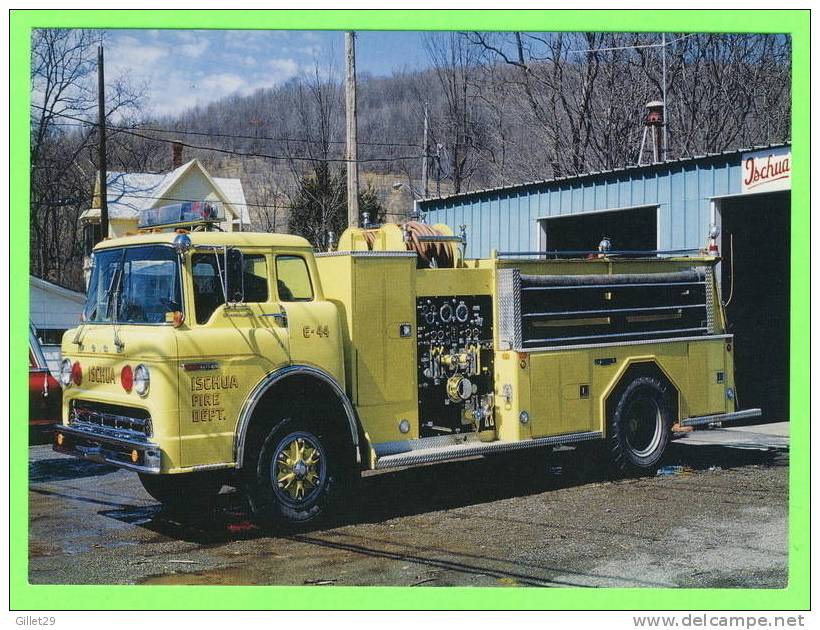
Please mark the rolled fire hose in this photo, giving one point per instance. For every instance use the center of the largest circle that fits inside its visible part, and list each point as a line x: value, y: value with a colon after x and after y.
x: 430, y: 253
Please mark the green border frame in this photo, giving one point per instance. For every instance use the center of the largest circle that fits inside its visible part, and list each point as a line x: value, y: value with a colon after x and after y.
x: 24, y: 596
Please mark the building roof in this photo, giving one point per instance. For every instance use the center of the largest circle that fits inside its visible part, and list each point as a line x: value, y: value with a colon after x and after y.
x: 62, y: 291
x: 130, y: 193
x: 623, y: 169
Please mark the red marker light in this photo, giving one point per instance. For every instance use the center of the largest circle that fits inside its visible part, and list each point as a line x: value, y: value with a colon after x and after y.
x: 77, y: 373
x: 127, y: 378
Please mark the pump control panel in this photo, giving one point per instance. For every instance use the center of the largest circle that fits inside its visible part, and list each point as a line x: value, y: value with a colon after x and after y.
x: 455, y: 364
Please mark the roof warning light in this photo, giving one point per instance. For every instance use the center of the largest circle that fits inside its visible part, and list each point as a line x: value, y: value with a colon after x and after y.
x: 182, y: 214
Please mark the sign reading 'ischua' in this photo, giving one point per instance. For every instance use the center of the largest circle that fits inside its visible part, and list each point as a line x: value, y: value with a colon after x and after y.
x: 768, y: 170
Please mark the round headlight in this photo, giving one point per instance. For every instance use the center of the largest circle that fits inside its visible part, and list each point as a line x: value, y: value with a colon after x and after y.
x: 65, y: 372
x: 142, y: 380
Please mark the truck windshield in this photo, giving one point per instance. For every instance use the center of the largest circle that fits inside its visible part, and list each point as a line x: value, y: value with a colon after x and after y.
x: 137, y: 285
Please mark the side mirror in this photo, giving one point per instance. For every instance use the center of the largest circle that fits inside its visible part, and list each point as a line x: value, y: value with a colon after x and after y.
x: 235, y: 277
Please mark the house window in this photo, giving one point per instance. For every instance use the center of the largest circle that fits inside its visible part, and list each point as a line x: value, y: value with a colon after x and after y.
x: 91, y: 236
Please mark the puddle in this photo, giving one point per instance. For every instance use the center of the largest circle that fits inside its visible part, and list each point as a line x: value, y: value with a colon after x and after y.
x: 63, y: 469
x: 671, y: 471
x: 41, y: 549
x: 133, y: 515
x: 234, y: 576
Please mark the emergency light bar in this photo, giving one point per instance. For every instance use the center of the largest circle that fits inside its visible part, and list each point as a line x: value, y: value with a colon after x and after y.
x: 181, y: 214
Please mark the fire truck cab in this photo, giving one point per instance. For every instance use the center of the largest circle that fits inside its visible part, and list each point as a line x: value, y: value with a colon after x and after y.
x: 207, y: 358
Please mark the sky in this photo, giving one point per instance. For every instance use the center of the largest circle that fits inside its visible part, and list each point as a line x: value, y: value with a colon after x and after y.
x: 187, y: 68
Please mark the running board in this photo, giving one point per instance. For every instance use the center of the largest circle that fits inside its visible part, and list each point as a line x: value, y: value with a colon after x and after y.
x: 471, y: 448
x: 721, y: 417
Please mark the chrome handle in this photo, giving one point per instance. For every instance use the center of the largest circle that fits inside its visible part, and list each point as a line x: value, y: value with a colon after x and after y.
x: 282, y: 318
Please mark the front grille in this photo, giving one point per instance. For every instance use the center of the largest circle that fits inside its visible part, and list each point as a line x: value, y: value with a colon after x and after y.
x: 111, y: 416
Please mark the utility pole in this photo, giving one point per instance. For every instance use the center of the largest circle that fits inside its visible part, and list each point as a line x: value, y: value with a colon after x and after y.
x: 665, y: 113
x: 101, y: 128
x: 424, y: 177
x: 352, y: 152
x: 438, y: 170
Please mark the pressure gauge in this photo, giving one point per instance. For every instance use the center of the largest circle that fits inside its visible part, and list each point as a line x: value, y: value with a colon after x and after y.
x: 446, y: 312
x: 462, y: 312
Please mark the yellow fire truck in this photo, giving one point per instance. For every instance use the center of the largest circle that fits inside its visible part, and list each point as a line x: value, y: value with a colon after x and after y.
x: 208, y: 358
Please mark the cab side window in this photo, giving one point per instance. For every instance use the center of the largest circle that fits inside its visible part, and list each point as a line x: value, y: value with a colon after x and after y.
x: 255, y: 277
x: 293, y: 279
x: 208, y: 284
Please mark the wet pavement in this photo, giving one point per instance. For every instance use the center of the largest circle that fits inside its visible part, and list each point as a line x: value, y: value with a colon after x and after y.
x: 716, y: 516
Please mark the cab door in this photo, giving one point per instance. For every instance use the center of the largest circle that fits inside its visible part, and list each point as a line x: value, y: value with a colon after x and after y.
x: 224, y: 352
x: 311, y: 323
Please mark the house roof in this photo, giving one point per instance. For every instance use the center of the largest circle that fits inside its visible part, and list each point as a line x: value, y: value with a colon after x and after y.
x: 65, y: 292
x: 623, y: 169
x: 130, y: 193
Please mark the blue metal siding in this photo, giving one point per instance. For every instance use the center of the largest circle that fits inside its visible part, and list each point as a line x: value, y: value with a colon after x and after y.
x: 507, y: 219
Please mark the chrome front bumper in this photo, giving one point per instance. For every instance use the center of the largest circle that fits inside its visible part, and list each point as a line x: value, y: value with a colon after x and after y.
x: 733, y: 416
x: 108, y: 446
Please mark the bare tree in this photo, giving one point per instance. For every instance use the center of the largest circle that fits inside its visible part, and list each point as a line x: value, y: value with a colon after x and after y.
x: 583, y: 93
x: 319, y: 202
x: 723, y: 90
x: 457, y: 126
x: 270, y: 201
x: 63, y: 72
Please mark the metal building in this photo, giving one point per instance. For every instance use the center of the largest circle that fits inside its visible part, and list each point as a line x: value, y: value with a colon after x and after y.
x: 664, y: 206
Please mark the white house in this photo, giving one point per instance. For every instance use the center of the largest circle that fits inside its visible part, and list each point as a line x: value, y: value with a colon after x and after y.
x: 130, y: 193
x: 53, y: 310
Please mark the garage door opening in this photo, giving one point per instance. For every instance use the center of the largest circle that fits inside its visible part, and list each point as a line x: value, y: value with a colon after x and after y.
x: 755, y: 245
x: 630, y: 229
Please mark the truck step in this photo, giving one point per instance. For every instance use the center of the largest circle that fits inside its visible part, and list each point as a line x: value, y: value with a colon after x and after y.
x: 744, y: 414
x: 474, y: 447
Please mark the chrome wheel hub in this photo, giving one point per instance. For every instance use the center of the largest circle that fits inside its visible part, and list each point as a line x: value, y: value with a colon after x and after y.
x: 644, y: 426
x: 298, y: 468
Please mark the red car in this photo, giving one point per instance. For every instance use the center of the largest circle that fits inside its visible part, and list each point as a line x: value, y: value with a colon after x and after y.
x: 45, y: 395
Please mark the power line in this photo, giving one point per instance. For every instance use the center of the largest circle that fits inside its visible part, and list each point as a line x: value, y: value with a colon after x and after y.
x: 267, y: 156
x: 214, y: 134
x: 233, y: 203
x: 116, y: 200
x: 80, y: 122
x: 634, y: 46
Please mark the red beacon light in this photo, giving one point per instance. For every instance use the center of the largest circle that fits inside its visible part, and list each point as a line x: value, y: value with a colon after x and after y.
x: 182, y: 215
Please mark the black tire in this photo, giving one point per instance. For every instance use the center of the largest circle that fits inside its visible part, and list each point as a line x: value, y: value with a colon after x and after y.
x: 186, y: 492
x: 639, y: 426
x: 296, y: 473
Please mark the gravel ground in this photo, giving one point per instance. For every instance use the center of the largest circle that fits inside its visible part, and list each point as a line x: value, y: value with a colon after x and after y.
x: 718, y: 519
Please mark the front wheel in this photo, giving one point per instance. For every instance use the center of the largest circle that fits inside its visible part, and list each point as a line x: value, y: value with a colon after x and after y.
x: 294, y: 476
x: 639, y: 426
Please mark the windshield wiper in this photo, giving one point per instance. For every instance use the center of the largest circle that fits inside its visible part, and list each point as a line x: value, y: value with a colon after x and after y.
x: 105, y: 298
x: 114, y: 288
x: 117, y: 292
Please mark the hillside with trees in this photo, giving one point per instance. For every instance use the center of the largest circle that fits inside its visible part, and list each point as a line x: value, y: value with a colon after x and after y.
x: 503, y: 108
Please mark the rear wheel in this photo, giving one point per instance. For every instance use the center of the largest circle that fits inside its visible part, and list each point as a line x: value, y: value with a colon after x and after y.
x: 295, y: 473
x: 639, y: 426
x: 183, y: 492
